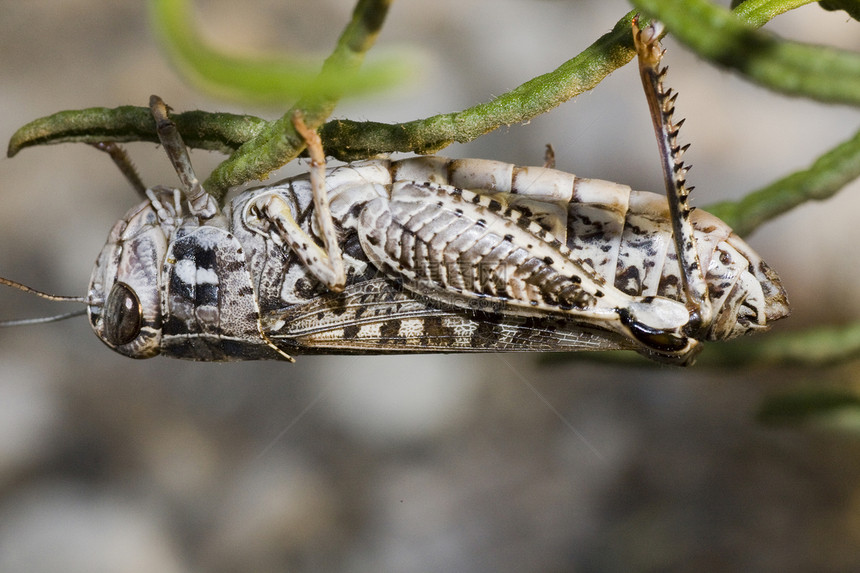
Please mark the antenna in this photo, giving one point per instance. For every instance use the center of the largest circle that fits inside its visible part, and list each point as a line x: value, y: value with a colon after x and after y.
x: 53, y: 297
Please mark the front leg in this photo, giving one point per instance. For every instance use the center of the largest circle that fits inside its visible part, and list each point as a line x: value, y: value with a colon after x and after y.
x: 200, y: 202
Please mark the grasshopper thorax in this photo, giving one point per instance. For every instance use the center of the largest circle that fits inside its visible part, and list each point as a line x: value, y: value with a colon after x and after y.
x: 165, y: 283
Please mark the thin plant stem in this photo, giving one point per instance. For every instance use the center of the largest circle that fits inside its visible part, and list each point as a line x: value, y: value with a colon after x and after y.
x: 278, y: 143
x: 794, y: 68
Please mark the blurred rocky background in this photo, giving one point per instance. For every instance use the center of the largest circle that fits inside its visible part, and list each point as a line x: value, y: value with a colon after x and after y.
x: 496, y: 463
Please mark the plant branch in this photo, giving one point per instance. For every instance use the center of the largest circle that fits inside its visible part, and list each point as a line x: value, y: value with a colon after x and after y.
x: 826, y: 176
x: 222, y: 132
x: 346, y: 139
x: 267, y: 80
x: 350, y: 140
x: 278, y: 143
x: 758, y: 12
x: 793, y: 68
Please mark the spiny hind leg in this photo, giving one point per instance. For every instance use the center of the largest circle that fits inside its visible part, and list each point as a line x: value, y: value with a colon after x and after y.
x: 325, y: 263
x: 661, y: 103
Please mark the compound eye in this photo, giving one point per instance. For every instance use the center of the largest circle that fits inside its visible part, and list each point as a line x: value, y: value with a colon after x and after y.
x: 122, y: 315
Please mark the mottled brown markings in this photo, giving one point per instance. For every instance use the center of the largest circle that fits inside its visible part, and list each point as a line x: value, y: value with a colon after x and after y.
x: 339, y: 305
x: 434, y: 331
x: 486, y: 334
x: 717, y: 291
x: 390, y: 330
x: 670, y: 286
x: 234, y: 265
x: 629, y: 281
x: 356, y: 210
x: 351, y: 331
x: 645, y: 245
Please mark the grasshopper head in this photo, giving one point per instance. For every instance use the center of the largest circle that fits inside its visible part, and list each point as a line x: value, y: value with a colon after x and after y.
x: 124, y: 291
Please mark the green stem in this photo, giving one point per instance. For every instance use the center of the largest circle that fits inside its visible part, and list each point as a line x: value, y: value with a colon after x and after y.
x: 818, y: 72
x: 278, y: 143
x: 222, y: 132
x: 350, y: 140
x: 346, y: 139
x: 815, y: 347
x: 822, y: 180
x: 267, y: 80
x: 759, y: 12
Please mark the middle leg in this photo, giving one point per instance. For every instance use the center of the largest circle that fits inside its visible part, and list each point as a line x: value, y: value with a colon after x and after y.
x: 326, y: 263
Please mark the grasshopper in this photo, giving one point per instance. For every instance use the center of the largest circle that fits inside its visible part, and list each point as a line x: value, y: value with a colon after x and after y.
x: 427, y: 254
